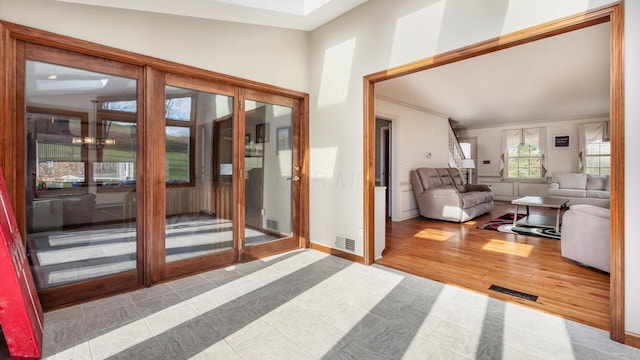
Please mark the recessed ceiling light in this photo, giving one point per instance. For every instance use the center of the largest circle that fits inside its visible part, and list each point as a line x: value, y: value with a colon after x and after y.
x: 52, y: 77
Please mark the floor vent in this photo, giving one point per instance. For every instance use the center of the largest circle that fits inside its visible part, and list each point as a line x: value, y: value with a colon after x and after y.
x: 515, y: 293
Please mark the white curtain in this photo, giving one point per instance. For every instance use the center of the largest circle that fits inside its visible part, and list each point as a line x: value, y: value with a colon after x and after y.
x: 532, y: 136
x: 590, y: 132
x: 509, y: 138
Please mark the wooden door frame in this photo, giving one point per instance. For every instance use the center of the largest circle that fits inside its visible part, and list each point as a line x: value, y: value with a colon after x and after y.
x: 614, y: 14
x: 298, y: 160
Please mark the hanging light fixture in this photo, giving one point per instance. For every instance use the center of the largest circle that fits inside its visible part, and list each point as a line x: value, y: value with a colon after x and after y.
x: 91, y: 142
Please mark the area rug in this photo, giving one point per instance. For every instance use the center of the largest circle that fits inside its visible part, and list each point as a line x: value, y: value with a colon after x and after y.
x: 504, y: 224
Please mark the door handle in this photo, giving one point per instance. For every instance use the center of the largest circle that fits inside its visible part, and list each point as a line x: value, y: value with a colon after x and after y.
x: 295, y: 178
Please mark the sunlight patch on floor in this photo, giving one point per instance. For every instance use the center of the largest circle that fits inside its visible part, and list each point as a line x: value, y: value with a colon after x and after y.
x: 139, y: 331
x: 508, y: 247
x: 434, y: 234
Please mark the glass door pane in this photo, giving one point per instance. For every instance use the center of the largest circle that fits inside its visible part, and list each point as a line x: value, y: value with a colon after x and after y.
x: 199, y: 177
x: 81, y: 172
x: 268, y: 179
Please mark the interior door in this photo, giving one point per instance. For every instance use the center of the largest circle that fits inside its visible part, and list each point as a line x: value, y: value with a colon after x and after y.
x: 269, y: 167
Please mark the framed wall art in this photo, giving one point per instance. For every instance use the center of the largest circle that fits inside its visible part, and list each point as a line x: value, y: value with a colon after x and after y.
x: 561, y: 141
x: 283, y: 135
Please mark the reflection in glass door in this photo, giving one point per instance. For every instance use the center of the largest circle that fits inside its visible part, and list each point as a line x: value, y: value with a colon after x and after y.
x: 199, y: 180
x: 81, y: 177
x: 269, y: 176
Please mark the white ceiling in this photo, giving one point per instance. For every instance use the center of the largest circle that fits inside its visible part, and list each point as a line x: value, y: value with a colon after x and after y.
x: 562, y: 77
x: 291, y: 14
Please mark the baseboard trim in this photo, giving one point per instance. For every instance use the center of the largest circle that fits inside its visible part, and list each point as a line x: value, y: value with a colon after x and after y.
x: 403, y: 218
x: 632, y: 339
x: 338, y: 253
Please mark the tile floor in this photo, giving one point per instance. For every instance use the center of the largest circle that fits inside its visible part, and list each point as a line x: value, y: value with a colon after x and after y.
x: 308, y: 305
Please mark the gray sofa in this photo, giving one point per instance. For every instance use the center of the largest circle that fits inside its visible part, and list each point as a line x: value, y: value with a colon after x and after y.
x: 442, y: 194
x: 63, y: 211
x: 581, y: 188
x: 586, y: 235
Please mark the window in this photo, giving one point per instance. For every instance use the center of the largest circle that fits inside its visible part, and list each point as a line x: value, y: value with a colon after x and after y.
x: 597, y: 158
x: 116, y: 163
x: 119, y: 164
x: 523, y: 154
x: 180, y: 105
x: 595, y: 149
x: 178, y: 152
x: 58, y: 163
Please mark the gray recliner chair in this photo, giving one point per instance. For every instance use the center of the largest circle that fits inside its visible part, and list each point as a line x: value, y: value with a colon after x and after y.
x: 586, y: 236
x: 442, y: 194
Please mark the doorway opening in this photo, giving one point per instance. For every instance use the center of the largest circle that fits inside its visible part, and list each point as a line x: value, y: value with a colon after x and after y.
x: 613, y: 15
x: 383, y: 160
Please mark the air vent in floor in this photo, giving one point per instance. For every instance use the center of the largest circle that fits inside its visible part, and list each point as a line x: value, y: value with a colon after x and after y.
x: 515, y: 293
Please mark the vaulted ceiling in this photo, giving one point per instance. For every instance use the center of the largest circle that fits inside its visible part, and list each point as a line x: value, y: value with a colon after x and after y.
x: 562, y: 77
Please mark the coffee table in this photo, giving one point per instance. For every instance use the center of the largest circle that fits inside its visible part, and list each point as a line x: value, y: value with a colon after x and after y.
x: 539, y: 220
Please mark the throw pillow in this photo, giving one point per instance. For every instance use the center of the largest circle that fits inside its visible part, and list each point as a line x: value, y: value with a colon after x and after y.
x: 596, y: 182
x: 571, y: 180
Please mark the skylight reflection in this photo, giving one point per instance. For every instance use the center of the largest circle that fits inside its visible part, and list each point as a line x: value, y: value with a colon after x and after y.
x: 524, y: 10
x: 336, y: 72
x: 416, y: 35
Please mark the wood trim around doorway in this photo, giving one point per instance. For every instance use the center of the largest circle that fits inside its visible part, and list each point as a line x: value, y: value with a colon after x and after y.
x: 613, y: 14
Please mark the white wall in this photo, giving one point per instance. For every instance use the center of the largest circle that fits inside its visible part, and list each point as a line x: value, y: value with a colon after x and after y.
x: 380, y: 34
x: 270, y: 55
x: 632, y: 165
x: 414, y: 133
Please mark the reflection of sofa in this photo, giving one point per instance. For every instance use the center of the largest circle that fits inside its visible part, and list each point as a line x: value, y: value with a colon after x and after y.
x: 581, y: 188
x: 47, y: 215
x: 441, y: 194
x: 586, y: 235
x: 61, y: 211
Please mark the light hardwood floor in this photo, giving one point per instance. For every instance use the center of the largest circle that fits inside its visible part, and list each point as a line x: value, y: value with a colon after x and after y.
x: 462, y: 255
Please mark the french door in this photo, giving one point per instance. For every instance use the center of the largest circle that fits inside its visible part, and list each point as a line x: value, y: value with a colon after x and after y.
x: 135, y: 175
x: 270, y: 173
x: 231, y: 185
